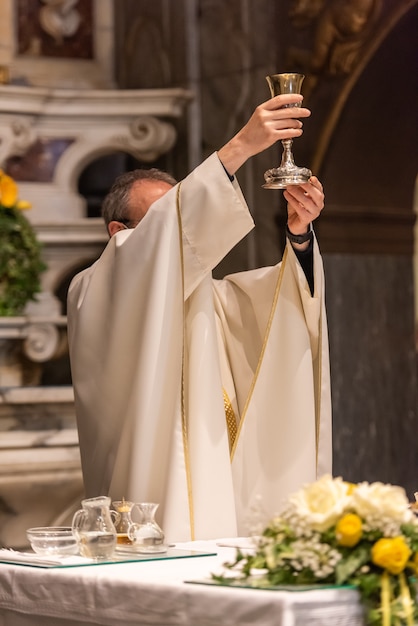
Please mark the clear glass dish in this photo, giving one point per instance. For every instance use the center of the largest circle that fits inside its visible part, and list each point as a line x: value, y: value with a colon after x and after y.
x: 52, y: 540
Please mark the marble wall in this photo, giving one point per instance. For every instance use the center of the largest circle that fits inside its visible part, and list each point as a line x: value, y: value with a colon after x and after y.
x: 373, y: 368
x: 40, y: 474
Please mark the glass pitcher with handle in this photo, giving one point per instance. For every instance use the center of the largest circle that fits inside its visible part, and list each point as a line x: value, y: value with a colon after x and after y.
x: 94, y: 529
x: 147, y: 536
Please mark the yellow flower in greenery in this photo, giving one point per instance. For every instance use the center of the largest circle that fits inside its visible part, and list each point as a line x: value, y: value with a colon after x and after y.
x: 391, y: 554
x: 21, y: 261
x: 8, y: 191
x: 23, y: 205
x: 349, y: 530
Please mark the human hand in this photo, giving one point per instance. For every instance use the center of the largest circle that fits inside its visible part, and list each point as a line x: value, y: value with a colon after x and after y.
x: 304, y: 204
x: 271, y: 121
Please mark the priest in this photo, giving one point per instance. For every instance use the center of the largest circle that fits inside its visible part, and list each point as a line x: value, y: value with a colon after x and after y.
x: 208, y: 397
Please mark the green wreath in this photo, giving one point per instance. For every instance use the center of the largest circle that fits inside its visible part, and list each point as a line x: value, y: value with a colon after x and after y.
x: 21, y: 262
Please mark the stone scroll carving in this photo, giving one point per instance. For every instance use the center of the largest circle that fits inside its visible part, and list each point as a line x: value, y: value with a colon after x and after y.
x: 150, y: 136
x: 145, y: 137
x: 26, y: 343
x: 41, y: 342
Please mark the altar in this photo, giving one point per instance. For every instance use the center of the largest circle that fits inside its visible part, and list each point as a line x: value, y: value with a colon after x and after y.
x: 163, y: 592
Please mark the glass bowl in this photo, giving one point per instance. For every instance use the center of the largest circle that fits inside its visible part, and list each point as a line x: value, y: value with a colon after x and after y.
x: 52, y: 540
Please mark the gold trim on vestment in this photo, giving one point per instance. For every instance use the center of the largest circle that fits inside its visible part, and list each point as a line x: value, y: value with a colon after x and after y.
x: 183, y: 409
x: 231, y: 420
x: 318, y: 385
x: 317, y: 378
x: 263, y: 349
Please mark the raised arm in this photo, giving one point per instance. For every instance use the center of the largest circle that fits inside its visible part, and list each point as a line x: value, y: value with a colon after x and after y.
x: 269, y: 123
x: 272, y: 121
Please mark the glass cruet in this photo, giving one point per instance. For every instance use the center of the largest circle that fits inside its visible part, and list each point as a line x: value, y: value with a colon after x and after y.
x: 147, y: 536
x: 124, y: 520
x: 94, y: 529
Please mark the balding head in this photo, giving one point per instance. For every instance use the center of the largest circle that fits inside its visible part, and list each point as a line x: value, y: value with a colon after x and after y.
x: 131, y: 195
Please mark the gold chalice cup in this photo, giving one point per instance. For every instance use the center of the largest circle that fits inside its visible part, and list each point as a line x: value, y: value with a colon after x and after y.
x: 287, y: 173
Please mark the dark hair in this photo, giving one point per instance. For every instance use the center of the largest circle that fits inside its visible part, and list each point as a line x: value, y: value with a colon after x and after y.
x: 116, y: 204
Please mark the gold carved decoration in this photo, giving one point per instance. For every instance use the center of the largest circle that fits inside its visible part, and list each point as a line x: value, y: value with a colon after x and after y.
x: 347, y: 33
x: 4, y: 75
x: 341, y: 27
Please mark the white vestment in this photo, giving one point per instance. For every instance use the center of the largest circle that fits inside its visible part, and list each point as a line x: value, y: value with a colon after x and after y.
x: 155, y: 341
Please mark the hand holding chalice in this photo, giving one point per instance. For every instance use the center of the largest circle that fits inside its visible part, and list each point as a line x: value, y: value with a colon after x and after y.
x: 288, y: 173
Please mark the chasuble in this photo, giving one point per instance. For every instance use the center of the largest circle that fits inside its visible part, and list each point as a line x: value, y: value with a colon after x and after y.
x: 209, y: 397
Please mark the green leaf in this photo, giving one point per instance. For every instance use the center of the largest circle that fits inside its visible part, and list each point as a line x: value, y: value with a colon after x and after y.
x: 350, y: 564
x: 21, y: 263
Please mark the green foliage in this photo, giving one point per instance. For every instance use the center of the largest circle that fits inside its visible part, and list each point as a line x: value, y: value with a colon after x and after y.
x: 21, y: 264
x: 351, y: 562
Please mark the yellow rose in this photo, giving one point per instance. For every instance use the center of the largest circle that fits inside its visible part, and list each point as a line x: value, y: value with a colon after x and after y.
x: 8, y: 191
x: 391, y: 554
x: 349, y: 530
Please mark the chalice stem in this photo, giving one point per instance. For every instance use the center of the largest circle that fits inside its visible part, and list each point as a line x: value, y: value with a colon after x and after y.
x: 287, y: 161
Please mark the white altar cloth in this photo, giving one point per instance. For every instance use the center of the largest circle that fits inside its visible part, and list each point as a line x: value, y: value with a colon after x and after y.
x: 153, y: 593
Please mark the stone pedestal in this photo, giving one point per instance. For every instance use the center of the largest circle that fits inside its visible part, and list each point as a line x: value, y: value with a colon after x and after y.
x: 25, y: 343
x: 40, y: 474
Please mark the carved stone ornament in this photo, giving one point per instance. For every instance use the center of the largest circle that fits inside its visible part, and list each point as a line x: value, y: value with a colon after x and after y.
x: 59, y: 19
x: 41, y: 341
x: 16, y: 136
x: 26, y: 343
x: 149, y: 137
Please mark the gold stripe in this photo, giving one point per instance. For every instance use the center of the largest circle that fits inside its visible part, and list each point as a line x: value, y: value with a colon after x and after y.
x: 183, y: 410
x: 318, y: 390
x: 406, y: 599
x: 385, y: 599
x: 318, y: 385
x: 263, y: 349
x: 231, y: 420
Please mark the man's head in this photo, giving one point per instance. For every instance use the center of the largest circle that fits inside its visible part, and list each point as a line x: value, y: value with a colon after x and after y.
x: 131, y: 195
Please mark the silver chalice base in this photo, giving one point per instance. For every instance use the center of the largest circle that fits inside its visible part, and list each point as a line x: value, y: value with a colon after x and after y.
x: 280, y: 177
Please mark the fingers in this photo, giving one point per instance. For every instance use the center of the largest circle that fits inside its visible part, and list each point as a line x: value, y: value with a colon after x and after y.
x: 281, y: 123
x: 305, y: 203
x: 286, y: 100
x: 280, y: 117
x: 287, y: 105
x: 315, y: 182
x: 309, y: 196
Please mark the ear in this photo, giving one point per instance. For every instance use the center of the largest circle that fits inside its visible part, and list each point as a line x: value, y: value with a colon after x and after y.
x: 114, y: 227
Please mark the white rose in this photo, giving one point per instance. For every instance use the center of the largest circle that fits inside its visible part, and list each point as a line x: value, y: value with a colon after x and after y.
x: 321, y: 503
x: 378, y: 500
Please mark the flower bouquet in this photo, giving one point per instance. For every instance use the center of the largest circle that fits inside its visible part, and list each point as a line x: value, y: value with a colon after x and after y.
x: 20, y: 252
x: 334, y: 532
